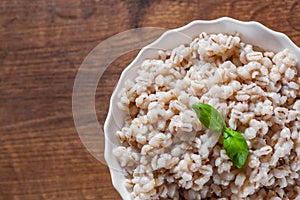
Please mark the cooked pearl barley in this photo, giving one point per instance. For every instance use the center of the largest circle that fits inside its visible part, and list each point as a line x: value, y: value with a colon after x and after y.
x: 165, y: 151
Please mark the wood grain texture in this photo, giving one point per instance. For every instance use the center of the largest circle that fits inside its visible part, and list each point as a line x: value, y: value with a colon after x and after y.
x: 42, y: 44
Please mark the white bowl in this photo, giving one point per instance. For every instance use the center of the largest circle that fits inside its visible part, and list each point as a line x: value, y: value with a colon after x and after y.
x: 251, y: 32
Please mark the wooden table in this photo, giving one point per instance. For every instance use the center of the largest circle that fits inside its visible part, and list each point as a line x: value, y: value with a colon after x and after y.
x: 42, y: 44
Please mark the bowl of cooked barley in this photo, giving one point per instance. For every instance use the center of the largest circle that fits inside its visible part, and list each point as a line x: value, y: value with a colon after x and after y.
x: 156, y: 147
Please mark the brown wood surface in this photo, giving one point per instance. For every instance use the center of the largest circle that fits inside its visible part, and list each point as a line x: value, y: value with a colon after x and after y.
x: 42, y: 44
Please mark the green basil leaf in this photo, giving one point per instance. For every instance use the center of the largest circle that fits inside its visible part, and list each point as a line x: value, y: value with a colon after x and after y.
x: 234, y: 143
x: 236, y: 147
x: 209, y: 117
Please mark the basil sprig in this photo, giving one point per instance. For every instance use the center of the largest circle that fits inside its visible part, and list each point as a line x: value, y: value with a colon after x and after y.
x: 234, y: 143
